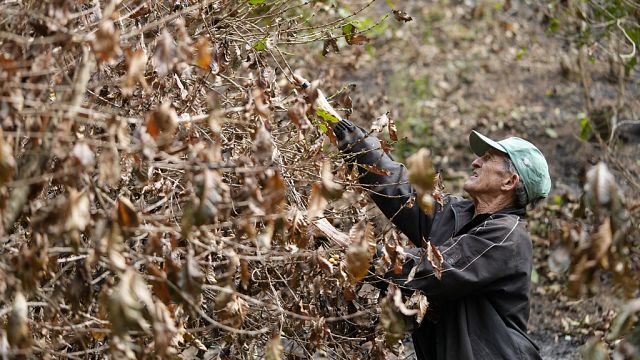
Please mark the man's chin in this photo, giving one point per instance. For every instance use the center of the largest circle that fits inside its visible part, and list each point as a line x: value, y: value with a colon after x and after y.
x: 468, y: 185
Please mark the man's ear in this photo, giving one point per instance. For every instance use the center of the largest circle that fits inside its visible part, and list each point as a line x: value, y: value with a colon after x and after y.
x: 510, y: 182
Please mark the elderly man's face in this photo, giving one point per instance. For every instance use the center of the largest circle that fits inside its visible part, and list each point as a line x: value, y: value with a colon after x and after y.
x: 488, y: 174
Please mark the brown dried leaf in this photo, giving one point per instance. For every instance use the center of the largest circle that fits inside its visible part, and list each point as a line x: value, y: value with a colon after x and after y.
x: 183, y: 92
x: 421, y: 171
x: 435, y: 258
x: 602, y: 192
x: 419, y: 302
x: 317, y: 202
x: 589, y: 256
x: 82, y: 152
x: 601, y: 242
x: 599, y: 185
x: 245, y: 274
x: 136, y: 65
x: 159, y: 283
x: 401, y: 15
x: 385, y: 146
x: 426, y: 203
x: 391, y: 320
x: 127, y: 213
x: 262, y: 144
x: 203, y: 53
x: 164, y: 329
x: 232, y: 309
x: 360, y: 251
x: 380, y: 122
x: 18, y: 323
x: 7, y: 161
x: 376, y: 170
x: 332, y: 136
x: 359, y: 39
x: 274, y: 350
x: 109, y: 165
x: 411, y: 201
x: 78, y: 211
x: 393, y: 130
x: 7, y: 64
x: 165, y: 56
x: 264, y: 238
x: 399, y: 303
x: 393, y: 253
x: 319, y: 331
x: 261, y: 102
x: 274, y: 192
x: 330, y: 189
x: 185, y: 48
x: 297, y: 115
x: 352, y: 37
x: 330, y: 45
x: 349, y: 292
x: 438, y: 190
x: 162, y: 123
x: 106, y: 44
x: 191, y: 277
x: 210, y: 191
x: 267, y: 78
x: 127, y: 303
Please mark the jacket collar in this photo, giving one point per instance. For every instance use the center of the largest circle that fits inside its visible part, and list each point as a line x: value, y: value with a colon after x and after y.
x: 463, y: 213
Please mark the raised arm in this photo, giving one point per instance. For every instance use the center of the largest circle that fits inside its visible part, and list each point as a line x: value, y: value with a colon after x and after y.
x: 392, y: 192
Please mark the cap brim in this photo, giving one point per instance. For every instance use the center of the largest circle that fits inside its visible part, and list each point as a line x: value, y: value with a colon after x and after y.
x: 479, y: 144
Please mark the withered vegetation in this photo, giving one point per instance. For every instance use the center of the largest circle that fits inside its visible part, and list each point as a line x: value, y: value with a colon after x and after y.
x: 161, y: 175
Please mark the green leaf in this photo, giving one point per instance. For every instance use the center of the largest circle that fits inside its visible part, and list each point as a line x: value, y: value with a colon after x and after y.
x: 260, y: 45
x: 585, y: 127
x: 535, y: 278
x: 521, y: 53
x: 347, y: 31
x: 256, y: 2
x: 326, y: 116
x: 554, y: 25
x: 557, y: 200
x: 322, y: 127
x: 391, y: 4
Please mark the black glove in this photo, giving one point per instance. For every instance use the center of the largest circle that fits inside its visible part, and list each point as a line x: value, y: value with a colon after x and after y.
x: 347, y: 134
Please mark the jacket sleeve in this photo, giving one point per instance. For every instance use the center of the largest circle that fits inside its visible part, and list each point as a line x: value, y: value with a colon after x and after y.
x: 392, y: 192
x: 493, y: 250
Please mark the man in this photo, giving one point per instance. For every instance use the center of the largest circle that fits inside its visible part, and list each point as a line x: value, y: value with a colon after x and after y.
x: 483, y: 294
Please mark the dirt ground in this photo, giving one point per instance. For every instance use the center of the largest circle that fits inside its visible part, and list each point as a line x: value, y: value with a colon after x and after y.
x: 474, y: 65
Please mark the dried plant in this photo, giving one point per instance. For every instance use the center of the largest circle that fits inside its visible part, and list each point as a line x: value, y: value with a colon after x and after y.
x: 162, y: 185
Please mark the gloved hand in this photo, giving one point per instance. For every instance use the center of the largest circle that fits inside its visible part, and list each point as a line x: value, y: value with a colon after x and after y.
x: 347, y: 134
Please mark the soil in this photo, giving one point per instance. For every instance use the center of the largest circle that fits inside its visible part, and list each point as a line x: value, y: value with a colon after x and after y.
x: 458, y: 67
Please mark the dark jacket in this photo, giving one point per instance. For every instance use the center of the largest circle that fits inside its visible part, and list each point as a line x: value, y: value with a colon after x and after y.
x: 483, y: 295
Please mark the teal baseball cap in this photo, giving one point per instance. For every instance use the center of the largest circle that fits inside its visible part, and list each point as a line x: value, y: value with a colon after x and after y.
x: 528, y: 160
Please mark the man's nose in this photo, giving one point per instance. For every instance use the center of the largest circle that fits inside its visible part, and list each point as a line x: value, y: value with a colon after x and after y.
x: 476, y: 163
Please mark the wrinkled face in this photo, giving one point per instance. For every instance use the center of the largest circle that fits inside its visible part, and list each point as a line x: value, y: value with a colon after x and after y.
x: 488, y: 175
